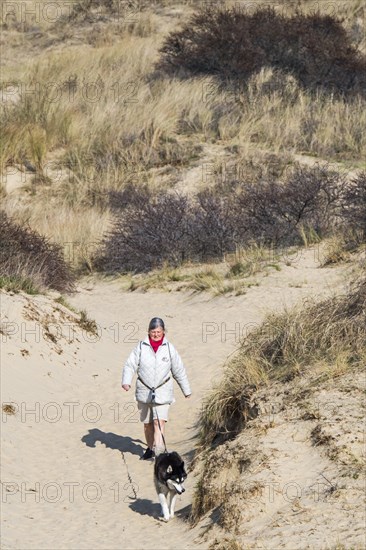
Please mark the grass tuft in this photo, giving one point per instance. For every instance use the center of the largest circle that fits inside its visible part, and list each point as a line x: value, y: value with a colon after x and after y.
x: 87, y: 324
x: 9, y: 409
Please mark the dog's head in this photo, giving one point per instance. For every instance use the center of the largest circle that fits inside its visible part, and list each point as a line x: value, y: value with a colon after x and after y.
x: 176, y: 485
x: 175, y: 473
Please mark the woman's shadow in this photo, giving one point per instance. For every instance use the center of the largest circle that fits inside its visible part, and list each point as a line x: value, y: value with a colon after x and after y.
x: 112, y: 441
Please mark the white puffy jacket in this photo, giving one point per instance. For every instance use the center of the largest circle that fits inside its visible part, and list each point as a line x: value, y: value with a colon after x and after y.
x: 154, y: 368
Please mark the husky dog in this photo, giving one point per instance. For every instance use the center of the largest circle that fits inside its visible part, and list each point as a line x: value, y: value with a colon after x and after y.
x: 169, y: 476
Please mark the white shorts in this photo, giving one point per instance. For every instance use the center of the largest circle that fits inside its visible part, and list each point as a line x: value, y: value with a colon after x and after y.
x: 148, y: 412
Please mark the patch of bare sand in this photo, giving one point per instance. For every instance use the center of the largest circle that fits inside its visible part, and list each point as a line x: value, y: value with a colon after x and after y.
x: 71, y: 472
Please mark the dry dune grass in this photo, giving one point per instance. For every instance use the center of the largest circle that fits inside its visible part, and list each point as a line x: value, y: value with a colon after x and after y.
x: 281, y: 117
x: 331, y: 333
x: 104, y: 118
x: 100, y: 116
x: 76, y: 230
x: 23, y: 18
x: 233, y: 276
x: 306, y: 432
x: 108, y: 118
x: 102, y: 109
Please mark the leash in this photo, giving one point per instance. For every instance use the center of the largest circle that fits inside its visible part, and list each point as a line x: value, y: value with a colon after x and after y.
x: 132, y: 483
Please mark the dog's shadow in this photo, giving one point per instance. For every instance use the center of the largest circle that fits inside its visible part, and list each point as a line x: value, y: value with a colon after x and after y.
x: 146, y: 507
x: 112, y: 441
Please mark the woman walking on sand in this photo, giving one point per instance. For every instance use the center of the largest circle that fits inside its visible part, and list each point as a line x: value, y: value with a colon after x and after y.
x: 156, y: 362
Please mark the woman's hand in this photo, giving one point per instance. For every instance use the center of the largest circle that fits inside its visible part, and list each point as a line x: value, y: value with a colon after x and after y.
x: 126, y: 387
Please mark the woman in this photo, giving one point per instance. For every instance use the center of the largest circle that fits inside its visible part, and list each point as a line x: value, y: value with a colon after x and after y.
x: 156, y: 362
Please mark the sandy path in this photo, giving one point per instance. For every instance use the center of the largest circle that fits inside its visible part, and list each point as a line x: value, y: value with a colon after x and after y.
x: 96, y: 449
x: 200, y: 175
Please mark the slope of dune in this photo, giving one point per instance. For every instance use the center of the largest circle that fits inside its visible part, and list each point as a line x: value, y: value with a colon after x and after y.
x: 295, y: 477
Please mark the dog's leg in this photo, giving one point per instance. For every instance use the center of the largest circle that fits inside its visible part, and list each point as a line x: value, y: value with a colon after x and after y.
x: 172, y: 504
x: 164, y: 506
x: 168, y: 499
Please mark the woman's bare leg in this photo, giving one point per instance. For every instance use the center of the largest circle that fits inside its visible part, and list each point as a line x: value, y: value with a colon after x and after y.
x: 158, y: 440
x: 149, y: 434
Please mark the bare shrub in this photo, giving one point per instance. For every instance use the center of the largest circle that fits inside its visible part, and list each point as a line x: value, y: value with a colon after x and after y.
x: 354, y: 203
x: 310, y: 197
x: 274, y: 211
x: 130, y: 195
x: 213, y: 225
x: 147, y: 233
x: 168, y: 228
x: 233, y: 45
x: 26, y: 255
x: 214, y: 42
x: 151, y: 229
x: 320, y: 54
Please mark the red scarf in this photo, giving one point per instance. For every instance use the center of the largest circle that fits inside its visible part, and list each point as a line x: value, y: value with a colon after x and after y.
x: 156, y: 343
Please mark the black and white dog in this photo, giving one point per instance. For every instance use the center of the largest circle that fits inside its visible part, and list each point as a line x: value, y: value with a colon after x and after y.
x: 169, y: 476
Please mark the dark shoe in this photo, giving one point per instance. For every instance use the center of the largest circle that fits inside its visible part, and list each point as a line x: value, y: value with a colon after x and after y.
x: 149, y: 453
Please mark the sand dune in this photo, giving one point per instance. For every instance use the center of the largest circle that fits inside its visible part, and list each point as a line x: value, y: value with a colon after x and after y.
x: 71, y: 474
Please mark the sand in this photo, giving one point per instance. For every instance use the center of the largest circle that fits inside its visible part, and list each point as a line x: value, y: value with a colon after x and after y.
x: 71, y: 474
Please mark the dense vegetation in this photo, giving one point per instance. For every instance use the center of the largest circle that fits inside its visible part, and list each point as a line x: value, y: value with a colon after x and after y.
x: 94, y: 125
x: 233, y: 45
x: 169, y: 228
x: 30, y: 262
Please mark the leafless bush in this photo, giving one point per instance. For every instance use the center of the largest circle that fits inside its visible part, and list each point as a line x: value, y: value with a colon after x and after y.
x: 153, y: 229
x: 130, y: 195
x: 233, y: 45
x: 276, y: 211
x: 147, y: 233
x: 150, y: 230
x: 213, y: 227
x: 354, y: 203
x: 26, y: 255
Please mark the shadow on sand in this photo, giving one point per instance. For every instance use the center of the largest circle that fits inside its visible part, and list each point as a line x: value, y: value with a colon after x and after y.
x: 112, y: 441
x: 142, y: 506
x: 147, y: 507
